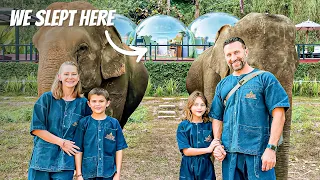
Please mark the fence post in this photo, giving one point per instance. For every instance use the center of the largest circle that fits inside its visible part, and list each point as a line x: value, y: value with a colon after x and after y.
x: 26, y: 52
x: 303, y: 51
x: 31, y: 51
x: 150, y: 51
x: 17, y: 41
x: 182, y: 49
x: 298, y: 50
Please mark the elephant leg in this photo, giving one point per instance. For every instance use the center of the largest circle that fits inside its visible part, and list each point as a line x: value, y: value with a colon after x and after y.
x: 194, y: 80
x: 211, y: 79
x: 137, y: 86
x: 117, y: 90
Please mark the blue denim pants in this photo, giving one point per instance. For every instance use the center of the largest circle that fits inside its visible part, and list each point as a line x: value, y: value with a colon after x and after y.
x: 44, y: 175
x: 238, y: 166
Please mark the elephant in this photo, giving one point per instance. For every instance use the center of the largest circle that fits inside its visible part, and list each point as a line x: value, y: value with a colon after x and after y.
x: 270, y: 41
x: 99, y: 64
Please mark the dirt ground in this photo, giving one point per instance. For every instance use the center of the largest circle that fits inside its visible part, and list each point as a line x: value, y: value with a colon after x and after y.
x: 153, y: 153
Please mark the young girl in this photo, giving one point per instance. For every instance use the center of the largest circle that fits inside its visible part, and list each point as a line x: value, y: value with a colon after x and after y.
x: 54, y: 121
x: 195, y: 140
x: 100, y: 140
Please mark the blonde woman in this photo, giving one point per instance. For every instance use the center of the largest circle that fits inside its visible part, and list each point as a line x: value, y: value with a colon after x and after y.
x: 195, y: 140
x: 54, y: 121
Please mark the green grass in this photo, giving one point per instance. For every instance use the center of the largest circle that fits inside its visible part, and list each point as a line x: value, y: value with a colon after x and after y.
x: 152, y: 152
x: 139, y: 115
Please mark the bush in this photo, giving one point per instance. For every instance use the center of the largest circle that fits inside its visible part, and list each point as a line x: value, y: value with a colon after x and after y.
x: 17, y: 86
x: 306, y: 87
x: 159, y: 91
x: 139, y: 115
x: 171, y: 87
x: 20, y: 70
x: 160, y: 75
x: 14, y: 85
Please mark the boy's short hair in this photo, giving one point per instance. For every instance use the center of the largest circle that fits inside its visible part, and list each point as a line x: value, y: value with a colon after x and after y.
x: 99, y: 92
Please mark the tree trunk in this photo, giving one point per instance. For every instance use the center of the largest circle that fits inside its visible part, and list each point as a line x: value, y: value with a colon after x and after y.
x: 197, y: 11
x: 241, y: 7
x: 168, y: 7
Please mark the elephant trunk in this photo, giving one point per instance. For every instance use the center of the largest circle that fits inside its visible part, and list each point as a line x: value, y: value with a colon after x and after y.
x: 283, y: 152
x: 49, y: 62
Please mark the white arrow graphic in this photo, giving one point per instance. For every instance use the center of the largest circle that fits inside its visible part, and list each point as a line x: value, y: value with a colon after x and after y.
x: 137, y: 51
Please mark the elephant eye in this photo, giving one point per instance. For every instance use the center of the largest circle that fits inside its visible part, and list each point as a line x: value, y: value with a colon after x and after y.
x: 82, y: 48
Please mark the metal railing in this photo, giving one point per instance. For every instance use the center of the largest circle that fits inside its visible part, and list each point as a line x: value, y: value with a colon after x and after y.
x: 179, y: 51
x: 303, y: 52
x: 29, y: 53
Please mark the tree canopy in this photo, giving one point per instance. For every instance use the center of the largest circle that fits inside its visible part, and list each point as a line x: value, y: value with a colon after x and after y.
x: 184, y: 10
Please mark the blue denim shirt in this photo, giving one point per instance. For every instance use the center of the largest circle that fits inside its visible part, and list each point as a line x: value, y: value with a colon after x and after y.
x: 99, y: 140
x: 195, y: 135
x: 60, y: 118
x: 247, y: 116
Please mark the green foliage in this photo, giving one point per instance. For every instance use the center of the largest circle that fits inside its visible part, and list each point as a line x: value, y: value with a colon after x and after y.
x: 311, y: 70
x: 299, y: 114
x: 163, y: 78
x: 159, y: 91
x: 139, y: 115
x: 306, y: 87
x: 149, y: 88
x: 23, y: 114
x: 14, y: 85
x: 184, y: 10
x: 31, y: 85
x: 6, y: 34
x: 171, y: 87
x: 21, y: 70
x: 160, y: 73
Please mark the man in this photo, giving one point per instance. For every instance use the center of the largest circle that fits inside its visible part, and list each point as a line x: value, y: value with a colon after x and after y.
x: 252, y: 118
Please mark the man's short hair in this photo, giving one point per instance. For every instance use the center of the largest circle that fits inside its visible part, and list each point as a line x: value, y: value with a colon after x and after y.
x: 99, y: 92
x: 234, y: 39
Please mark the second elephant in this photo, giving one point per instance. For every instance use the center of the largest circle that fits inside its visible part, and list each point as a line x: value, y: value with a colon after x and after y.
x: 270, y: 41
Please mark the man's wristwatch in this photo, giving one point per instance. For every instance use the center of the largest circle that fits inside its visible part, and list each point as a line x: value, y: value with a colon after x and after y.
x: 273, y: 147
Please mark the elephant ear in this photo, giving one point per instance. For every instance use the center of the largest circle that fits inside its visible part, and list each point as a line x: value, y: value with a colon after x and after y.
x: 112, y: 62
x: 221, y: 31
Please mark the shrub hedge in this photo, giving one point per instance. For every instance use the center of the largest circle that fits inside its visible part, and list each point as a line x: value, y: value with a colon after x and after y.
x: 158, y: 72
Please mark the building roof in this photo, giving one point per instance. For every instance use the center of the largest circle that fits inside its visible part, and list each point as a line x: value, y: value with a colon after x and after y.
x: 5, y: 16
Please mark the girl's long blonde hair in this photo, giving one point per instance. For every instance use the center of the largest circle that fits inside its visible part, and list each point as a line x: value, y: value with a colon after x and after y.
x: 56, y: 87
x: 191, y: 99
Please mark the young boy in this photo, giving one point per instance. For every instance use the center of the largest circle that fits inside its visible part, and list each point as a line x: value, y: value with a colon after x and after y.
x: 100, y: 140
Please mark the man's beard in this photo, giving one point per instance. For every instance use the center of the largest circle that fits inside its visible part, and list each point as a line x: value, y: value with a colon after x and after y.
x: 241, y: 66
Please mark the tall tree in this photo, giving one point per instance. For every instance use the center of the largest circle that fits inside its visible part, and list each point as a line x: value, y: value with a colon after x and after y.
x: 197, y: 9
x: 168, y: 7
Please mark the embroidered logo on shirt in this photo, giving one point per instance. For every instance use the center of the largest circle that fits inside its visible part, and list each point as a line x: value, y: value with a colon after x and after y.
x: 208, y: 139
x: 251, y: 95
x: 110, y: 137
x: 75, y: 124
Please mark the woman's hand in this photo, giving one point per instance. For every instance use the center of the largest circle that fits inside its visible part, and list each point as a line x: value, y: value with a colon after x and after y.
x: 69, y: 147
